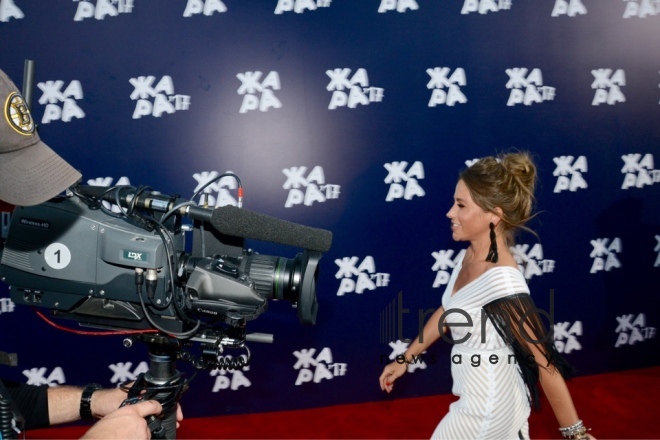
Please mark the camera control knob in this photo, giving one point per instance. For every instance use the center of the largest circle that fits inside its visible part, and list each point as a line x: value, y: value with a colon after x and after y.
x: 226, y: 268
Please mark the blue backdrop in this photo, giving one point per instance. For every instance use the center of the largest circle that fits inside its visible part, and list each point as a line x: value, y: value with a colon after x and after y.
x: 356, y: 116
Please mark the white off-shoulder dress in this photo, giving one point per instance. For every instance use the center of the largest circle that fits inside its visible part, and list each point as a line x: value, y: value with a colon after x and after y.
x: 493, y: 399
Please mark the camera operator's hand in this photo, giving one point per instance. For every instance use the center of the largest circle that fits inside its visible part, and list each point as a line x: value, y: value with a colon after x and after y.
x: 106, y: 401
x: 64, y: 405
x: 127, y: 422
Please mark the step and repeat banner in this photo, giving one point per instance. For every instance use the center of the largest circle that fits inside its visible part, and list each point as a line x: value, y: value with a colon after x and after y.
x: 356, y: 117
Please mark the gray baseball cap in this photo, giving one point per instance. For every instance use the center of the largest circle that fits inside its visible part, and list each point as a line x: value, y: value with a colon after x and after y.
x: 30, y: 172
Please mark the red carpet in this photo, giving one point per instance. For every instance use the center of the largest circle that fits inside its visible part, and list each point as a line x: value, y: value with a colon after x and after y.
x: 621, y: 405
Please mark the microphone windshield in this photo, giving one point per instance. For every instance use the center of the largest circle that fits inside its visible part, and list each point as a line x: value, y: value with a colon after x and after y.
x: 239, y: 222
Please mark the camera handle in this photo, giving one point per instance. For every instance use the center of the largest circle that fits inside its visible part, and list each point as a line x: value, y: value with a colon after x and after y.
x: 162, y: 383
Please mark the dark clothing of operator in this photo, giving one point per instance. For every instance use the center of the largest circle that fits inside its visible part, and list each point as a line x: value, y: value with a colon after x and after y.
x: 30, y: 400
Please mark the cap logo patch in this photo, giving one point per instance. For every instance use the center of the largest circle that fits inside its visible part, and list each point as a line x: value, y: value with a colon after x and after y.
x: 18, y: 115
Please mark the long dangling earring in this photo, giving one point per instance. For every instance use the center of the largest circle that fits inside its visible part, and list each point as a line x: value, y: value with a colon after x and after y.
x: 492, y: 252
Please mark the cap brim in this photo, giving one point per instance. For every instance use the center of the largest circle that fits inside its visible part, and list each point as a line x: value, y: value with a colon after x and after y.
x: 33, y: 175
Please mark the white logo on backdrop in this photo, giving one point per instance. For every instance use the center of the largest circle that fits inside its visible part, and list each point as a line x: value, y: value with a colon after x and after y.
x: 156, y: 100
x: 527, y: 89
x: 608, y: 86
x: 316, y: 369
x: 443, y: 265
x: 124, y: 371
x: 223, y: 189
x: 6, y: 305
x: 639, y: 171
x: 439, y: 80
x: 566, y: 336
x: 569, y: 173
x: 300, y: 6
x: 531, y: 261
x: 307, y: 189
x: 9, y: 10
x: 641, y: 9
x: 37, y: 376
x: 571, y: 8
x: 470, y: 162
x: 404, y: 183
x: 366, y: 277
x: 657, y: 249
x: 359, y: 91
x: 631, y: 330
x: 397, y: 5
x: 485, y: 6
x: 605, y: 254
x: 259, y: 95
x: 53, y: 96
x: 205, y: 7
x: 102, y: 9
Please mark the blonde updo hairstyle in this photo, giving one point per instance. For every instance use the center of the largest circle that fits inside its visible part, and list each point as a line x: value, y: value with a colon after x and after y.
x: 506, y: 182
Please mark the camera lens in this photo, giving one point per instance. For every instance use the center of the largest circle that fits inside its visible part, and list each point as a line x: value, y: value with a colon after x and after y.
x: 292, y: 280
x: 274, y: 277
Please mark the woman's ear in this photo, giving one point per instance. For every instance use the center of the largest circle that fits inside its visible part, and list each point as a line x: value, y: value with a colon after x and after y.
x: 496, y: 216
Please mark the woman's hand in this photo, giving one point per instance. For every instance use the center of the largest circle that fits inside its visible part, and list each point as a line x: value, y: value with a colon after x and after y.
x: 391, y: 372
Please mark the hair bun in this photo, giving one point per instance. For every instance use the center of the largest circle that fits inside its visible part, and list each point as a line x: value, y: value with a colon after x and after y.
x: 521, y: 167
x: 505, y: 185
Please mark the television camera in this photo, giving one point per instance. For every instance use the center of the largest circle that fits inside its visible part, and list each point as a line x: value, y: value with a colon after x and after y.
x: 131, y: 270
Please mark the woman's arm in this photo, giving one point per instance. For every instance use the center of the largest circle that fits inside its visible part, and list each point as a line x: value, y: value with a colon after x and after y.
x: 556, y: 391
x: 430, y: 333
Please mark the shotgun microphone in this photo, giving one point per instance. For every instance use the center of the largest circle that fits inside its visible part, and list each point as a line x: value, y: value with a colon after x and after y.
x: 239, y: 222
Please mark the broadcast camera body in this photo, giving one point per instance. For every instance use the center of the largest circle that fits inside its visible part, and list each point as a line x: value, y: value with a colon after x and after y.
x: 131, y: 271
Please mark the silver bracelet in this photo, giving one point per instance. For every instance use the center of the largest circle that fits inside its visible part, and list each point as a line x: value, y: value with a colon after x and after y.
x: 576, y: 431
x: 568, y: 429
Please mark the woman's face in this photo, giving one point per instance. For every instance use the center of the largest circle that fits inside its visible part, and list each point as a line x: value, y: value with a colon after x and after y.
x: 468, y: 221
